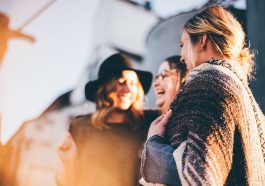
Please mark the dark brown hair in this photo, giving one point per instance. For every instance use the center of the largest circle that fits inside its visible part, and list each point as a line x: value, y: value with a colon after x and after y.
x: 175, y: 63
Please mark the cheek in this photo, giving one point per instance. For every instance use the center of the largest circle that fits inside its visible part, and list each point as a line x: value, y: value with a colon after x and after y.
x: 113, y: 96
x: 159, y: 84
x: 171, y: 85
x: 135, y: 92
x: 117, y: 88
x: 183, y: 51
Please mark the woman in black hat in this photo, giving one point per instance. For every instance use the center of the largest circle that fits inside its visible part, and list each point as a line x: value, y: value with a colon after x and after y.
x: 103, y: 148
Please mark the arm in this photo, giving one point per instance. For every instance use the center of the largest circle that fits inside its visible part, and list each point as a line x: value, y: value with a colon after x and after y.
x: 199, y: 163
x: 158, y: 164
x: 67, y: 151
x: 20, y: 35
x: 202, y: 130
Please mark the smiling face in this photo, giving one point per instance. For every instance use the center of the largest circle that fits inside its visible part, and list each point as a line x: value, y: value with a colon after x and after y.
x: 166, y: 85
x: 125, y: 90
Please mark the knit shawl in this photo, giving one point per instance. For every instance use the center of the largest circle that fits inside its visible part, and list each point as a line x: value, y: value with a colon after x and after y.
x: 217, y: 128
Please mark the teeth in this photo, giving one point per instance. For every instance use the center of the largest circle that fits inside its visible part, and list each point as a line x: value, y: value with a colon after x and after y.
x: 125, y: 97
x: 160, y: 92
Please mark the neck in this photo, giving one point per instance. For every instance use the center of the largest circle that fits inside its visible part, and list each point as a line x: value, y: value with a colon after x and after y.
x: 165, y: 107
x: 117, y: 116
x: 207, y: 54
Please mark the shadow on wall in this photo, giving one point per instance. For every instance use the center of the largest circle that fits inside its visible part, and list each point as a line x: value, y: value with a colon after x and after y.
x: 6, y: 34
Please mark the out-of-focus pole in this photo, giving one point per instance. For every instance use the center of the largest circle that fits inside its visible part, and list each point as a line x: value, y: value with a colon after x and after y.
x: 256, y: 35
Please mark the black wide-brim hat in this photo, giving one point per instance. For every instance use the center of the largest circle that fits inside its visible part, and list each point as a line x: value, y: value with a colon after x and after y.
x: 113, y: 67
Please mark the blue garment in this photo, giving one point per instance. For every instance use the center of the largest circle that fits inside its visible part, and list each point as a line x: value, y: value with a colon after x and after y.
x: 158, y: 164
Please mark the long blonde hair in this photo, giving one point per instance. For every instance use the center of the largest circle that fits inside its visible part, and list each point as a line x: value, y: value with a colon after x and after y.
x: 225, y: 32
x: 105, y: 107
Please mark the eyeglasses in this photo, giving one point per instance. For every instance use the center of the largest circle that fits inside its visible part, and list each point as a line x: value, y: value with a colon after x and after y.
x: 161, y: 76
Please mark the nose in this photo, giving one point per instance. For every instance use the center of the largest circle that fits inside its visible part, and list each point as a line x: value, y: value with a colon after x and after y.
x: 155, y: 83
x: 157, y: 80
x: 182, y: 60
x: 125, y: 87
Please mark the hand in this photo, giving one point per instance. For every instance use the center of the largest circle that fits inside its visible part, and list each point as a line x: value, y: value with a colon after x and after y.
x: 158, y: 126
x: 67, y: 150
x: 21, y: 35
x: 31, y: 39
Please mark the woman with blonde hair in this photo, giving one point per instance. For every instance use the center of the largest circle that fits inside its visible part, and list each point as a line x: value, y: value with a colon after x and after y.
x: 103, y: 148
x: 215, y: 130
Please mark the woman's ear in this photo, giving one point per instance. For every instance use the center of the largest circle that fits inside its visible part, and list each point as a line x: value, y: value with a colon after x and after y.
x: 203, y: 42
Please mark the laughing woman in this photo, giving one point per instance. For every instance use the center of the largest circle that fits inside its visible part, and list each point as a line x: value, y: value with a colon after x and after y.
x: 103, y: 148
x: 168, y: 81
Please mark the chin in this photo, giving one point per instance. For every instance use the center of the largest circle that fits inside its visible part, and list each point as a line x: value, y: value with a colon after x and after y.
x: 124, y: 107
x: 160, y: 104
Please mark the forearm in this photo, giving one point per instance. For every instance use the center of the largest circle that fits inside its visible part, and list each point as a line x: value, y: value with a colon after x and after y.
x: 158, y: 164
x: 200, y: 162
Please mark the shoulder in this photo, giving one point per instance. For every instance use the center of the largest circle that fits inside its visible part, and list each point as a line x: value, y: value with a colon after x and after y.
x: 220, y: 72
x: 82, y: 118
x: 148, y: 117
x: 208, y: 72
x: 151, y: 115
x: 80, y: 122
x: 211, y: 92
x: 211, y: 80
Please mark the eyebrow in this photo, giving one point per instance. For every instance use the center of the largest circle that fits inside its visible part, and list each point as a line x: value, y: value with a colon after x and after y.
x: 166, y: 71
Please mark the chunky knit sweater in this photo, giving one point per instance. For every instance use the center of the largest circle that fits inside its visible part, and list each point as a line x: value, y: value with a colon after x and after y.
x: 217, y: 128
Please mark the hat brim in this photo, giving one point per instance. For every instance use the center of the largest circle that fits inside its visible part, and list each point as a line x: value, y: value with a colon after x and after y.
x: 145, y: 79
x: 91, y: 90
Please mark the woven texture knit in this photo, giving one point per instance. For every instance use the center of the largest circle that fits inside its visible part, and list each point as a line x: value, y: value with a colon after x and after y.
x: 219, y: 127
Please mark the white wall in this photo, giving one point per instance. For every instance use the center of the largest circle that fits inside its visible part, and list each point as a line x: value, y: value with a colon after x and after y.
x: 34, y: 74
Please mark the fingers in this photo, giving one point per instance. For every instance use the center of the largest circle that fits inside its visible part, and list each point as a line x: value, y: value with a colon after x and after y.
x: 157, y: 120
x: 158, y: 126
x: 32, y: 39
x: 66, y: 143
x: 165, y: 118
x: 67, y: 150
x: 168, y: 114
